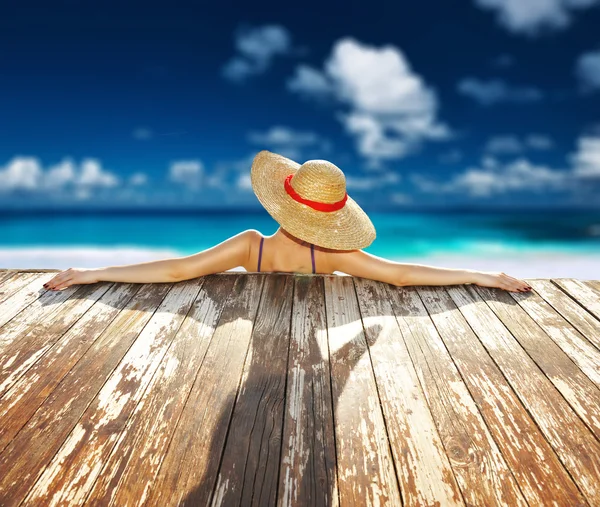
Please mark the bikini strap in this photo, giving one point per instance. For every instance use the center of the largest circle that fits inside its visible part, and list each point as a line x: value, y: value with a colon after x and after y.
x: 260, y: 253
x: 312, y: 255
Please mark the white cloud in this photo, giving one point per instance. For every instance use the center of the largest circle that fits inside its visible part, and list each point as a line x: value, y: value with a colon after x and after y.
x: 138, y: 179
x: 92, y: 175
x: 189, y: 173
x: 256, y: 47
x: 389, y: 108
x: 533, y: 17
x: 510, y: 144
x: 142, y: 134
x: 294, y: 144
x: 496, y: 178
x: 310, y: 81
x: 588, y: 71
x: 495, y: 91
x: 27, y: 173
x: 586, y: 161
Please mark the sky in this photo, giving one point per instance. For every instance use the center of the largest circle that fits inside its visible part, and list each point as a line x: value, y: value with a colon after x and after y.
x: 476, y: 103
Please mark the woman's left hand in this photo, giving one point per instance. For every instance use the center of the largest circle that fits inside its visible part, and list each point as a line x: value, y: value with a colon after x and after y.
x: 72, y: 276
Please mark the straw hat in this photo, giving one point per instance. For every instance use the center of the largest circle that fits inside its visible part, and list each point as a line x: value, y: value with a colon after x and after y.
x: 310, y: 201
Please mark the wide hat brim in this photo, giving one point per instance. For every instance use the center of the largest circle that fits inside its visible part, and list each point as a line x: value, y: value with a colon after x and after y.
x: 348, y: 228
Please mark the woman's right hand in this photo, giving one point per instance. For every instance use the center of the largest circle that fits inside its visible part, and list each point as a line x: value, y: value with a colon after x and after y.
x: 501, y: 281
x: 72, y: 276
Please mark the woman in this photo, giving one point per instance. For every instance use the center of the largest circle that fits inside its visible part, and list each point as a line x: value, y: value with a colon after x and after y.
x: 322, y: 230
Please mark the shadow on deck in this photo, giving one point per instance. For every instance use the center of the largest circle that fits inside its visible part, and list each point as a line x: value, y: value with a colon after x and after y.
x: 279, y: 389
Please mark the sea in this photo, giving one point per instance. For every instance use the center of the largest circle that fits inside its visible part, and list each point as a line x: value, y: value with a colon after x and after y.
x: 525, y: 244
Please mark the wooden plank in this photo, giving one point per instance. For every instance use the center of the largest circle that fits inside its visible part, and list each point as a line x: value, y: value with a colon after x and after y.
x: 366, y: 473
x: 250, y: 464
x: 575, y: 445
x: 33, y: 387
x: 13, y: 283
x: 27, y: 317
x: 5, y: 276
x: 594, y: 284
x: 586, y: 295
x: 28, y: 453
x: 308, y: 474
x: 562, y: 353
x: 136, y: 458
x: 26, y: 340
x: 424, y: 470
x: 70, y: 475
x: 583, y: 321
x: 189, y: 470
x: 536, y: 468
x: 27, y: 293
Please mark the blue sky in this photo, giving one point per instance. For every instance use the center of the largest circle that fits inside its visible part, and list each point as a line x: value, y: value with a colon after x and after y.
x: 478, y: 102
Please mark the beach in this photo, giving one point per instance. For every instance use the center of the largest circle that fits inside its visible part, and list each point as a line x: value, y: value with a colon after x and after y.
x: 524, y: 246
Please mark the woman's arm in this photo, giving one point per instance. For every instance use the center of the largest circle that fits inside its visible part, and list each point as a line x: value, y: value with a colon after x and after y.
x: 228, y: 254
x: 365, y: 265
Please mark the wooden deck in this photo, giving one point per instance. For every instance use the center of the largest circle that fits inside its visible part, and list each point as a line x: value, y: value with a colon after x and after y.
x: 275, y: 389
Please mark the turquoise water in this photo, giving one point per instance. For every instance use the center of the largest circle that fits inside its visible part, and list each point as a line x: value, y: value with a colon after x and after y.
x: 531, y: 244
x: 398, y: 235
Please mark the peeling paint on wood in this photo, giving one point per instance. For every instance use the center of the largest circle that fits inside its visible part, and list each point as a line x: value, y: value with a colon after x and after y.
x: 277, y: 389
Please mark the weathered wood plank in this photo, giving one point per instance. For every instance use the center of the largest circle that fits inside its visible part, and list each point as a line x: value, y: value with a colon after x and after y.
x: 423, y: 468
x: 251, y: 458
x: 575, y: 445
x: 26, y: 294
x: 478, y: 464
x: 583, y: 321
x: 26, y: 340
x: 189, y: 470
x: 71, y: 474
x: 42, y: 309
x: 135, y: 459
x: 535, y: 466
x: 13, y: 283
x: 366, y: 473
x: 33, y: 387
x: 586, y: 295
x: 26, y: 456
x: 4, y: 277
x: 308, y: 474
x: 562, y: 353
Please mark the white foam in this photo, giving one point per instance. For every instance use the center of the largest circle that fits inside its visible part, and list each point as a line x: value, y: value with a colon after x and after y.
x: 517, y: 264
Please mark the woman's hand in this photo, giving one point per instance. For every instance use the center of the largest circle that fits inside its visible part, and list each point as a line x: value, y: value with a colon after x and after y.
x: 72, y: 276
x: 501, y: 281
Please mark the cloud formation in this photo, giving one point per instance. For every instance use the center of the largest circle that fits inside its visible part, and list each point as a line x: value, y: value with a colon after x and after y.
x: 386, y: 106
x: 587, y: 71
x: 188, y: 173
x: 494, y: 91
x: 511, y: 144
x: 80, y: 180
x: 535, y: 17
x: 586, y: 160
x: 493, y: 177
x: 256, y: 49
x: 294, y: 144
